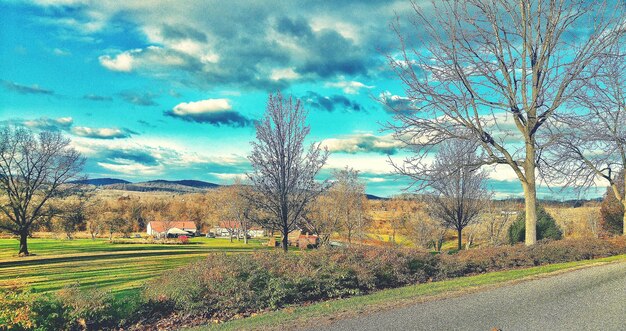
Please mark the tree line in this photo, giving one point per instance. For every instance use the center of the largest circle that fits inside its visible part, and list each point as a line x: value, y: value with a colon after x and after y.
x: 533, y: 86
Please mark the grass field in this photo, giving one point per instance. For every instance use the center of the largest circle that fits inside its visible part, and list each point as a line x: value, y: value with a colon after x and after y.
x: 97, y: 263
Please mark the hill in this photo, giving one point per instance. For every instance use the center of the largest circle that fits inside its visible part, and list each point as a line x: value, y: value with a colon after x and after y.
x: 375, y: 197
x: 158, y: 185
x: 161, y: 185
x: 186, y: 182
x: 101, y: 181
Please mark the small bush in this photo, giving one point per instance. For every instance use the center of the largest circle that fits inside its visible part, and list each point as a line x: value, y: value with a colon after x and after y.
x: 15, y: 309
x: 183, y: 240
x: 546, y: 227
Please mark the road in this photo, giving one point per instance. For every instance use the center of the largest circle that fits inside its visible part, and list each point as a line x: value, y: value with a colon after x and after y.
x: 587, y: 299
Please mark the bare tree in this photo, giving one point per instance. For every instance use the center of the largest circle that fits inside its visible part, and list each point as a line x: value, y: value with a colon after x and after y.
x: 33, y: 170
x: 458, y: 190
x: 284, y: 175
x: 348, y: 199
x: 96, y: 211
x: 496, y: 218
x: 232, y: 208
x: 592, y: 144
x: 323, y: 218
x: 422, y: 229
x: 241, y: 209
x: 493, y: 72
x: 72, y: 214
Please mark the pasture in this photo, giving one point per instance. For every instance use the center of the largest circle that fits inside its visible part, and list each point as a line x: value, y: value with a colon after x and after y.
x: 119, y: 268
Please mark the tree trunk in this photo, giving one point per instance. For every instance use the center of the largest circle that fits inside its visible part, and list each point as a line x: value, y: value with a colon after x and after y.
x: 23, y: 244
x: 530, y: 194
x: 110, y: 236
x: 624, y: 220
x: 459, y: 239
x: 285, y: 239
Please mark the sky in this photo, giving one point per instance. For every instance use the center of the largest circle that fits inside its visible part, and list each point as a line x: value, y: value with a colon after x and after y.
x: 171, y: 89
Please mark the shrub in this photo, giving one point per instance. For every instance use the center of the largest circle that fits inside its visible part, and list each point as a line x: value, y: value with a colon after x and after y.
x: 90, y: 309
x: 227, y: 285
x: 611, y: 214
x: 546, y: 227
x: 15, y: 309
x: 183, y: 239
x: 224, y: 286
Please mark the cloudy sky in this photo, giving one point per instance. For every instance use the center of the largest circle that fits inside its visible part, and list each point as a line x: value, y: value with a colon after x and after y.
x: 171, y: 89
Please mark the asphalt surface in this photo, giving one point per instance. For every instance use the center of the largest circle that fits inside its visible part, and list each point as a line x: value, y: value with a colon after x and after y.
x: 587, y: 299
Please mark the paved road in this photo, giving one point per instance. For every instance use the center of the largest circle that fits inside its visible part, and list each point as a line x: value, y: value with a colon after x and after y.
x: 587, y: 299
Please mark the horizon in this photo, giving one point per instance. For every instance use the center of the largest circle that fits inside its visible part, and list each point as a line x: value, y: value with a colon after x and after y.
x: 146, y: 95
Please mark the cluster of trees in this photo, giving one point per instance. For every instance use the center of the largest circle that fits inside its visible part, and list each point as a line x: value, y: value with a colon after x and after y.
x: 519, y: 84
x: 100, y: 215
x: 536, y: 86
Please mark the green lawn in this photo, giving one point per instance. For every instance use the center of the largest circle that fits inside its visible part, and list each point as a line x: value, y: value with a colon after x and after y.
x: 117, y: 267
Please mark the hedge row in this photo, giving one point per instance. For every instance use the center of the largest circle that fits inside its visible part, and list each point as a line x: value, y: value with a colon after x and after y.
x: 226, y: 286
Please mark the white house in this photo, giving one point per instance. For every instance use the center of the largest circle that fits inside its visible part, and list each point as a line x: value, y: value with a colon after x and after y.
x: 160, y: 228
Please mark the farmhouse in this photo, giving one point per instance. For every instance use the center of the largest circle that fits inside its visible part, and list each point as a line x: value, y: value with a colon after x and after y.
x: 224, y: 227
x: 162, y: 228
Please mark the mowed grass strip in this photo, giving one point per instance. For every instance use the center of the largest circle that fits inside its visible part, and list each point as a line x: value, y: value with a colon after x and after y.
x: 325, y: 312
x: 115, y: 267
x: 54, y: 247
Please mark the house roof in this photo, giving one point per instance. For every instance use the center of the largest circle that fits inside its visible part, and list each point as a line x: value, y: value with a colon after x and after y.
x: 161, y: 226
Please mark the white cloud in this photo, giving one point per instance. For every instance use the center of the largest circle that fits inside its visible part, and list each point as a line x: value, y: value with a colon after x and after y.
x: 365, y: 163
x: 61, y: 52
x: 363, y: 143
x: 284, y: 73
x: 202, y: 107
x: 345, y: 29
x: 349, y: 87
x: 502, y: 172
x: 121, y: 62
x: 133, y: 169
x: 228, y: 177
x: 100, y: 133
x: 44, y: 123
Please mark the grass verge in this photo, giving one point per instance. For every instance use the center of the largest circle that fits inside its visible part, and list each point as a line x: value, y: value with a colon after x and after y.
x: 97, y: 263
x: 325, y: 312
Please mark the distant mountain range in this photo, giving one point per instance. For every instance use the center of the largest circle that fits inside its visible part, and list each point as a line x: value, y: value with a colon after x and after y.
x: 162, y: 185
x: 101, y: 181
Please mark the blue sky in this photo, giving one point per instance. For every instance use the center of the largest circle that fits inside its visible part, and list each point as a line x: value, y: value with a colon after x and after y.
x: 170, y: 89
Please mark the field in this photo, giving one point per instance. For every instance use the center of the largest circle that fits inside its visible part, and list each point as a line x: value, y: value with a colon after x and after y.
x: 119, y: 268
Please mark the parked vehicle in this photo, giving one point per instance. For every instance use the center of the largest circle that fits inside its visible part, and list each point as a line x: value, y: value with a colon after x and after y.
x: 210, y: 235
x: 240, y: 236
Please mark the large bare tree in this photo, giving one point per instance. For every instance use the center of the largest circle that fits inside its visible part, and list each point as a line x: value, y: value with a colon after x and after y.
x: 493, y: 72
x: 34, y: 169
x: 591, y: 144
x: 283, y: 169
x: 458, y: 189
